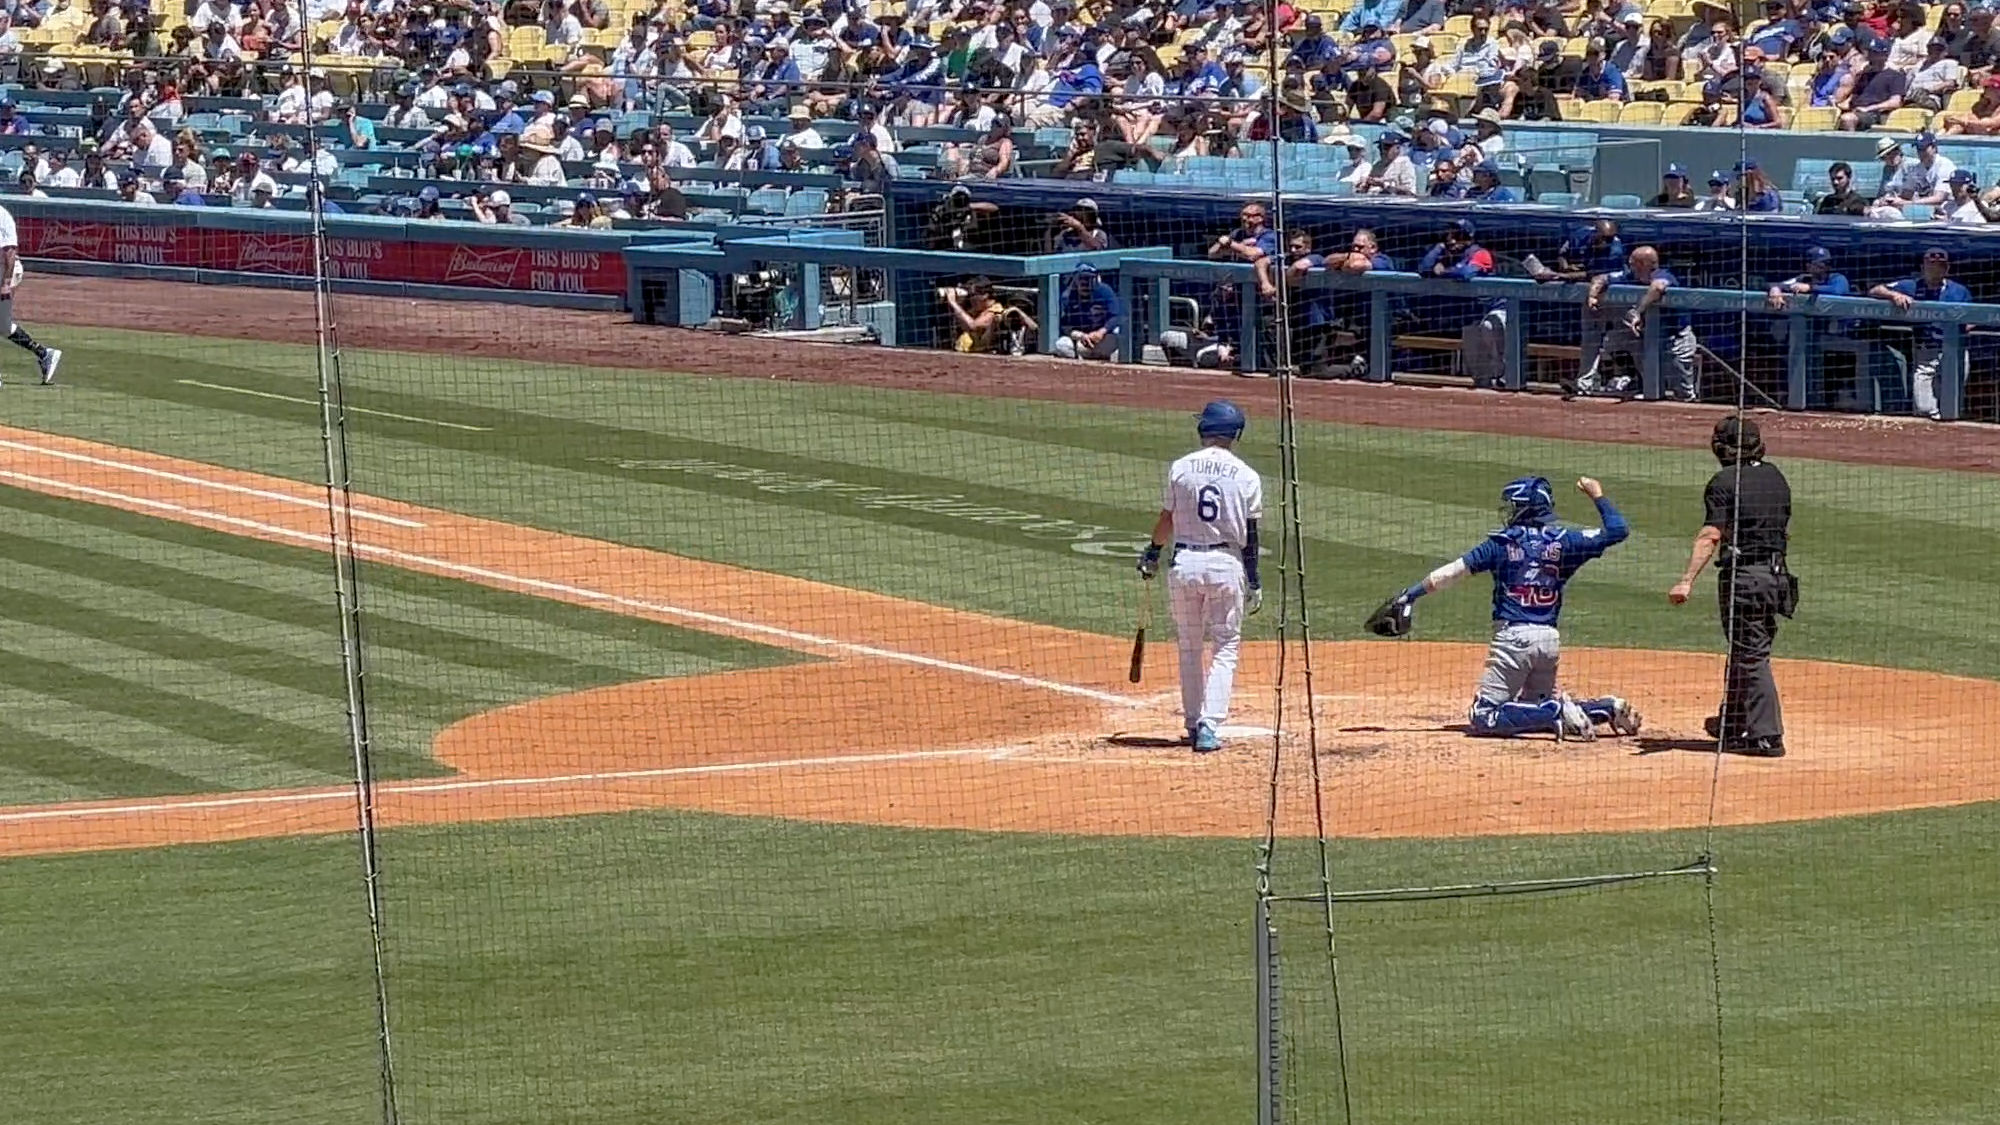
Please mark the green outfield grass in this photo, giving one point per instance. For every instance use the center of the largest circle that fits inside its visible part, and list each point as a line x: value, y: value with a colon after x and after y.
x: 681, y: 967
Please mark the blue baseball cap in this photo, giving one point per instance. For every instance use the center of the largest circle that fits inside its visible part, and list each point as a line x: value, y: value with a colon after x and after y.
x: 428, y: 195
x: 586, y: 200
x: 1392, y: 137
x: 1963, y: 176
x: 173, y: 176
x: 1486, y: 168
x: 1675, y: 172
x: 1717, y: 177
x: 1841, y: 36
x: 632, y: 188
x: 1927, y: 139
x: 1460, y: 226
x: 1818, y: 255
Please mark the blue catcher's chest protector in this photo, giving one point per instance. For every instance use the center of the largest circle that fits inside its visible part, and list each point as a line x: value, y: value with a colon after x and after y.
x: 1530, y: 565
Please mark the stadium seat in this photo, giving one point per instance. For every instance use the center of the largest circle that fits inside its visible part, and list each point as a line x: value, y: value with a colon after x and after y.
x: 1962, y: 101
x: 1136, y: 178
x: 1622, y: 202
x: 1558, y: 198
x: 767, y: 201
x: 1816, y: 119
x: 1604, y: 112
x: 1641, y: 113
x: 806, y: 201
x: 1907, y: 121
x: 1919, y: 212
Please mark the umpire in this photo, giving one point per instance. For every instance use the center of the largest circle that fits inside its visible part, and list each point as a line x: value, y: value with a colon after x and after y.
x: 1747, y: 513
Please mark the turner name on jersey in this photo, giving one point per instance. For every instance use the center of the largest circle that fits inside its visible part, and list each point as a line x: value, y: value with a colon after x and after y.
x: 1213, y: 496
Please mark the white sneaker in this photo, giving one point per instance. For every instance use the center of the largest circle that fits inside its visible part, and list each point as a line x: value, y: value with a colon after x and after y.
x: 1573, y: 725
x: 1624, y: 717
x: 50, y: 360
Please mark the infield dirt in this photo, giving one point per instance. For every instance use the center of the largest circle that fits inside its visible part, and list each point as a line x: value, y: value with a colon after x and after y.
x: 916, y: 715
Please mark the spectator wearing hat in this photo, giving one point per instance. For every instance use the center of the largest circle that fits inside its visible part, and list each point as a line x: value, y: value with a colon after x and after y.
x: 495, y: 208
x: 1369, y: 95
x: 1923, y: 180
x: 1877, y: 91
x: 863, y: 162
x: 586, y: 215
x: 1092, y: 318
x: 1937, y: 79
x: 1252, y: 241
x: 1393, y: 174
x: 429, y: 205
x: 1296, y: 117
x: 1421, y: 74
x: 14, y: 123
x: 1486, y: 185
x: 1078, y: 230
x: 1600, y: 81
x: 1776, y: 33
x: 1479, y: 55
x: 1818, y: 278
x: 1931, y: 283
x: 1964, y: 206
x: 770, y: 83
x: 1240, y: 82
x: 404, y: 112
x: 1313, y: 49
x: 761, y: 151
x: 175, y: 186
x: 1356, y: 172
x: 1674, y: 189
x: 1719, y: 197
x: 1626, y: 337
x: 1626, y: 45
x: 1482, y: 343
x: 984, y: 324
x: 1756, y: 107
x: 131, y: 190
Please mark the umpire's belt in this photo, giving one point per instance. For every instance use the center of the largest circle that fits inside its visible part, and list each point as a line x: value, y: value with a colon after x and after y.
x: 1775, y: 562
x: 1201, y: 546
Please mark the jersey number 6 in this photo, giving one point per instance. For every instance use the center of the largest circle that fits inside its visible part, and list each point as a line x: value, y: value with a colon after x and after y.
x: 1208, y: 503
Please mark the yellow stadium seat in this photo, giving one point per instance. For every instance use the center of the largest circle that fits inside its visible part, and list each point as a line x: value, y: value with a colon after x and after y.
x: 1170, y: 54
x: 1670, y: 88
x: 1641, y: 113
x: 1604, y: 112
x: 1907, y: 121
x: 525, y: 42
x: 700, y: 41
x: 1459, y: 85
x: 1574, y: 48
x: 1815, y: 119
x: 1962, y: 101
x: 1458, y: 25
x: 1798, y: 89
x: 1444, y: 44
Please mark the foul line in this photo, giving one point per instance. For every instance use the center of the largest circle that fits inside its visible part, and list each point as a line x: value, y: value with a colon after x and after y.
x: 348, y: 409
x: 423, y: 788
x: 203, y: 482
x: 583, y: 593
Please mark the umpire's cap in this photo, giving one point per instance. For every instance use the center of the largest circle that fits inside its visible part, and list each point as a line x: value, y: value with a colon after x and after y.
x: 1737, y: 439
x: 1221, y: 418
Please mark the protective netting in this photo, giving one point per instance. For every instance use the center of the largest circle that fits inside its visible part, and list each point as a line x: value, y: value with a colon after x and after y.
x: 499, y: 710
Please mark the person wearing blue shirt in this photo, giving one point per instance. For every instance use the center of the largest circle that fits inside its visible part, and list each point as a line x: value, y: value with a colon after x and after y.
x: 1482, y: 344
x: 1600, y: 81
x: 1315, y: 48
x: 1253, y: 242
x: 1200, y: 76
x: 1486, y: 185
x: 175, y: 183
x: 1932, y: 283
x: 1295, y: 116
x: 1755, y: 191
x: 1313, y: 319
x: 1444, y: 181
x: 14, y: 123
x: 1385, y: 14
x: 1818, y: 279
x: 1532, y: 560
x: 1776, y: 34
x: 1628, y: 336
x: 1080, y: 79
x: 771, y: 83
x: 1093, y: 320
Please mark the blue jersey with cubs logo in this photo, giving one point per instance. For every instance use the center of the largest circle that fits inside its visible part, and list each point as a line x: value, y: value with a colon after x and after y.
x: 1530, y: 565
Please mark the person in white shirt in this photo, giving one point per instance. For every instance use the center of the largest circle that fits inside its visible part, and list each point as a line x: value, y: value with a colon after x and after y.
x: 132, y: 191
x: 434, y: 99
x: 61, y: 175
x: 28, y: 185
x: 1209, y: 514
x: 1964, y: 206
x: 568, y: 147
x: 215, y: 12
x: 1393, y: 174
x: 544, y: 169
x: 803, y: 135
x: 11, y: 275
x: 1719, y: 197
x: 674, y: 154
x: 1356, y: 171
x: 406, y: 113
x: 813, y: 47
x: 560, y: 27
x: 151, y: 150
x: 292, y: 103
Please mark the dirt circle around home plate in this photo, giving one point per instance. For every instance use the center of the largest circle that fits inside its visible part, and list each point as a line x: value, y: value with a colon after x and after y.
x: 879, y: 742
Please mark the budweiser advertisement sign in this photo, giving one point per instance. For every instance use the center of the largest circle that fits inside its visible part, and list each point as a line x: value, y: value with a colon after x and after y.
x: 357, y: 253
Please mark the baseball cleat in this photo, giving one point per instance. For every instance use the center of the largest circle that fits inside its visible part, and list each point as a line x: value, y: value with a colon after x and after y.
x: 1624, y: 717
x: 1573, y: 725
x: 1712, y: 726
x: 49, y: 361
x: 1205, y: 740
x: 1756, y: 747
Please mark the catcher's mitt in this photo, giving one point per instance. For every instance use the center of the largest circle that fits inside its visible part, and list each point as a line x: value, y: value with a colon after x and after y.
x: 1392, y: 618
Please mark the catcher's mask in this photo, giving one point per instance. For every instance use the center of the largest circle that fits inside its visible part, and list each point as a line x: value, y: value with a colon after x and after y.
x: 1528, y: 501
x: 1737, y: 439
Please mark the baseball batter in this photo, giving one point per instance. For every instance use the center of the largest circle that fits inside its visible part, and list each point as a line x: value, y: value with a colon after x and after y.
x: 10, y: 279
x: 1209, y: 513
x: 1531, y: 559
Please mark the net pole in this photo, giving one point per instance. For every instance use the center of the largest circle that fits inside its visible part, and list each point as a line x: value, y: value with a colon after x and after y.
x: 336, y: 463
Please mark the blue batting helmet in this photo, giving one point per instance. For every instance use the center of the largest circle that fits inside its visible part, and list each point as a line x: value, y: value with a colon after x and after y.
x: 1220, y: 418
x: 1528, y: 500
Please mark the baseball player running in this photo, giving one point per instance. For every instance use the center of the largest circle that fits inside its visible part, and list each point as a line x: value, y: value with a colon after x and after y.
x: 1531, y: 559
x: 10, y: 279
x: 1212, y: 504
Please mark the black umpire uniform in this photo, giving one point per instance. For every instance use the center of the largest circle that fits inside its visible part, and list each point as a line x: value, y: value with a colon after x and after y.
x: 1747, y: 512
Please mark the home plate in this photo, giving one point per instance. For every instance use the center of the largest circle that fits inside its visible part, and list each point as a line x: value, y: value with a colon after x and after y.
x: 1233, y: 731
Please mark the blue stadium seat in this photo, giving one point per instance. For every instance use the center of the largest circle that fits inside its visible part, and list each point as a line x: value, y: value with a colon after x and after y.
x: 1557, y: 198
x: 1623, y: 202
x: 767, y: 201
x: 1133, y: 176
x: 1919, y: 212
x: 806, y: 201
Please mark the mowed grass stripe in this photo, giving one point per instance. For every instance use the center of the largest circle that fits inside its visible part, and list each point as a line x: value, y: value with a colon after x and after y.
x: 115, y: 755
x: 640, y: 646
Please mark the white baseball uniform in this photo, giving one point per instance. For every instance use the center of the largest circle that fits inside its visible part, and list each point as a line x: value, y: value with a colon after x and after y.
x: 1212, y: 495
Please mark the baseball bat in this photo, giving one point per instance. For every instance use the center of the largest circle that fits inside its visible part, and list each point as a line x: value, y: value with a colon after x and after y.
x: 1139, y: 636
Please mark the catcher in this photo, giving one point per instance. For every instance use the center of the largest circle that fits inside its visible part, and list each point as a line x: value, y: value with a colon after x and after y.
x: 1530, y: 560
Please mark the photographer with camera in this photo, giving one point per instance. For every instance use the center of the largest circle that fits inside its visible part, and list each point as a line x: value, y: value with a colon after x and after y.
x: 984, y: 324
x: 1078, y: 230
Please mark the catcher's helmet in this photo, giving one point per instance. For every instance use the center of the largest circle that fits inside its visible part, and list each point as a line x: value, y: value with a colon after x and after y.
x: 1222, y: 419
x: 1528, y: 500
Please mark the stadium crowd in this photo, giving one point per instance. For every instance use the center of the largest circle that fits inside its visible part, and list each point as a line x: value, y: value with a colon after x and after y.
x: 526, y: 91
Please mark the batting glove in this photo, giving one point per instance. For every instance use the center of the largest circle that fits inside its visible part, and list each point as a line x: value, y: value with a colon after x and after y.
x: 1255, y: 601
x: 1149, y: 561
